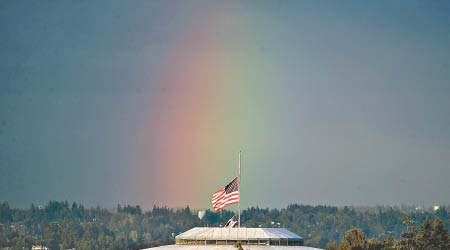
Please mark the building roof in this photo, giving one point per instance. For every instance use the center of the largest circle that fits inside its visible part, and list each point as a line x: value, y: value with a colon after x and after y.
x: 230, y: 247
x: 220, y: 233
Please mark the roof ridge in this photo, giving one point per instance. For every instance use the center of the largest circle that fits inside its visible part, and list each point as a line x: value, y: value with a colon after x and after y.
x: 265, y: 233
x: 219, y: 233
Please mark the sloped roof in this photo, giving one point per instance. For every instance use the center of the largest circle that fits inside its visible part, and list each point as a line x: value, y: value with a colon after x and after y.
x: 220, y: 233
x: 230, y: 247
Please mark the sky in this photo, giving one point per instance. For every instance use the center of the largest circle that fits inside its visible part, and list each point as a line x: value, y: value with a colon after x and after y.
x: 149, y: 102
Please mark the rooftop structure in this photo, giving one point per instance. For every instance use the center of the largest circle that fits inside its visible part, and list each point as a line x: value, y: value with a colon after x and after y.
x: 247, y: 236
x: 38, y: 247
x: 229, y: 247
x: 219, y: 238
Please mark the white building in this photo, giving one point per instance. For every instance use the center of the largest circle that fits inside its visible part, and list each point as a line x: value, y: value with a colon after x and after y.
x: 219, y: 238
x: 39, y: 247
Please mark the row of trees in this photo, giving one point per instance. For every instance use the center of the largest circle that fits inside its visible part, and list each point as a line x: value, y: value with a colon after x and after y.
x: 60, y: 225
x: 427, y: 237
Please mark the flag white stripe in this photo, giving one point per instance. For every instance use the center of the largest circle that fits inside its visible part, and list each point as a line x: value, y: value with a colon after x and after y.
x: 229, y: 203
x: 225, y: 201
x: 219, y: 195
x: 214, y: 200
x: 226, y: 196
x: 233, y: 201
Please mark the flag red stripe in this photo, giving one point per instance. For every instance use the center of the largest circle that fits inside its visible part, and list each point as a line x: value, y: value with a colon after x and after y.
x: 217, y: 210
x: 226, y: 196
x: 214, y: 199
x: 229, y: 201
x: 219, y: 192
x: 225, y: 199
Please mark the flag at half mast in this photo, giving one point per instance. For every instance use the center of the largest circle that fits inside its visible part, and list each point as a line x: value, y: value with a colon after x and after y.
x: 226, y: 196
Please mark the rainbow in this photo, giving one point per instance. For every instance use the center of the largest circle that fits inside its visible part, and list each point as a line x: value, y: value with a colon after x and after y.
x: 212, y: 97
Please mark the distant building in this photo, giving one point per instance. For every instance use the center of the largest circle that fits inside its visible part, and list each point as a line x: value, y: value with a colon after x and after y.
x: 39, y: 248
x: 435, y: 208
x: 201, y: 214
x: 213, y: 238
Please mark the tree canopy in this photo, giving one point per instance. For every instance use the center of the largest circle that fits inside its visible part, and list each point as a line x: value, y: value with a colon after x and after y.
x: 60, y: 225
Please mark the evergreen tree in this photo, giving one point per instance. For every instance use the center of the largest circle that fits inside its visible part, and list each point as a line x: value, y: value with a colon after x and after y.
x: 61, y: 225
x: 354, y: 239
x: 440, y: 237
x: 3, y: 242
x: 375, y: 244
x: 332, y: 246
x: 409, y: 237
x: 388, y: 242
x: 423, y: 238
x: 28, y: 242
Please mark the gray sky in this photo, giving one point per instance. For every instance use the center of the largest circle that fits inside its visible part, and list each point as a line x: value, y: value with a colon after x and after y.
x: 131, y: 102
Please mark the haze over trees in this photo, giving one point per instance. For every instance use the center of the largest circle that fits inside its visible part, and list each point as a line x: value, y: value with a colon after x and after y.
x: 64, y: 225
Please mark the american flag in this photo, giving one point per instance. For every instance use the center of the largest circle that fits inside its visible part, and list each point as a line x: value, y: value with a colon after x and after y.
x: 226, y: 196
x: 231, y: 222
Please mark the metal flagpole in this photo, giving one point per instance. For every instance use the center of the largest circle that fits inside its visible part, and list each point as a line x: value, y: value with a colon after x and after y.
x: 239, y: 190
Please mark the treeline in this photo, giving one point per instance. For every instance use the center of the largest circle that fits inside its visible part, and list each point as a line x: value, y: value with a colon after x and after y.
x: 61, y: 225
x: 427, y: 237
x: 319, y: 225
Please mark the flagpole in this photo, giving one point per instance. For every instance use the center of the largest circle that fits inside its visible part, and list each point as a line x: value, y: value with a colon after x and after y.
x: 239, y: 190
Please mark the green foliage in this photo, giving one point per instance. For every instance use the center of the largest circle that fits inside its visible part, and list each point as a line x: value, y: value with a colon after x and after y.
x: 374, y: 244
x: 332, y: 246
x: 60, y: 225
x: 409, y: 237
x: 423, y: 238
x: 428, y: 237
x: 354, y: 239
x: 439, y: 236
x: 388, y: 243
